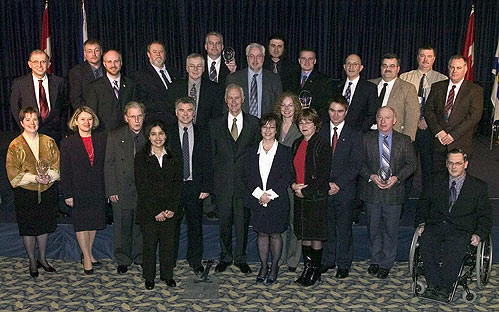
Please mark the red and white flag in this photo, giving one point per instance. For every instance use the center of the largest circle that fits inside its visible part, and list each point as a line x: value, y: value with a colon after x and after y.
x: 45, y: 43
x: 469, y: 42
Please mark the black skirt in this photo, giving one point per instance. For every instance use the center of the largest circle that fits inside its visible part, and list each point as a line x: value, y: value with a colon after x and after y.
x: 310, y: 219
x: 35, y: 219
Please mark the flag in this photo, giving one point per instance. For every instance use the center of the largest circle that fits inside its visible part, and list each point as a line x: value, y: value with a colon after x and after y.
x: 83, y: 30
x: 494, y: 97
x: 45, y: 43
x: 469, y: 42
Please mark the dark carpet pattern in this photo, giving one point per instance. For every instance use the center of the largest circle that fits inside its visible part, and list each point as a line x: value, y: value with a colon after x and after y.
x: 70, y: 290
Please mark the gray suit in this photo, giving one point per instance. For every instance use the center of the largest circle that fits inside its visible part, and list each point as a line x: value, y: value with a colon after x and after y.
x: 271, y: 88
x: 120, y: 180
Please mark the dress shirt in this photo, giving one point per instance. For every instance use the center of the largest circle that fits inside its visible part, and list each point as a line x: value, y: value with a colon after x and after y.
x: 97, y: 71
x: 45, y: 84
x: 190, y: 133
x: 160, y: 158
x: 414, y: 77
x: 258, y: 89
x: 265, y: 160
x: 388, y: 90
x: 218, y: 61
x: 239, y: 122
x: 111, y: 80
x: 352, y: 87
x: 306, y: 75
x: 157, y: 69
x: 380, y: 143
x: 459, y: 183
x: 338, y: 130
x: 456, y: 90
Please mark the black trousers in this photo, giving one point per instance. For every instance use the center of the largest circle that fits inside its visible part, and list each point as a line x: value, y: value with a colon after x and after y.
x: 234, y: 213
x: 422, y: 145
x: 193, y: 212
x: 165, y: 234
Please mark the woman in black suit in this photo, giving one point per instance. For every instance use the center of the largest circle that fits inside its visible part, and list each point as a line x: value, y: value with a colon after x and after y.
x: 268, y: 174
x: 158, y: 178
x: 312, y: 166
x: 82, y: 180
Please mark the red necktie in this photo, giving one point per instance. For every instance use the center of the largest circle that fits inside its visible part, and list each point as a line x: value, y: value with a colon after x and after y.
x: 42, y: 100
x: 334, y: 140
x: 449, y: 103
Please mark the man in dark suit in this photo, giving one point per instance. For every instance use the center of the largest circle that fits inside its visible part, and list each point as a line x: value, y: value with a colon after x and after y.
x: 108, y: 95
x: 216, y: 67
x: 230, y: 136
x: 207, y: 95
x: 346, y: 147
x: 278, y: 62
x: 261, y: 86
x: 82, y: 74
x: 361, y: 95
x: 453, y: 110
x: 388, y: 161
x: 122, y: 144
x: 191, y: 141
x: 152, y: 83
x: 457, y: 214
x: 40, y: 90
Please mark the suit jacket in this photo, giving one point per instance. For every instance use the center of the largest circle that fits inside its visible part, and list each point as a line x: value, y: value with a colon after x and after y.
x: 321, y: 87
x: 222, y: 74
x: 403, y: 164
x: 346, y: 161
x: 464, y: 118
x: 101, y: 98
x: 271, y: 88
x: 211, y: 100
x: 151, y: 91
x: 202, y: 171
x: 471, y: 213
x: 404, y: 100
x: 23, y: 95
x: 363, y: 105
x: 288, y: 70
x: 228, y: 156
x: 79, y: 78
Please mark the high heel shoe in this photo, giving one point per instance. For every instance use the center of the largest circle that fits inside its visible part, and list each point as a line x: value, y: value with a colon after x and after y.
x: 47, y: 268
x: 96, y: 263
x: 272, y: 278
x: 262, y: 274
x: 34, y: 274
x: 88, y: 272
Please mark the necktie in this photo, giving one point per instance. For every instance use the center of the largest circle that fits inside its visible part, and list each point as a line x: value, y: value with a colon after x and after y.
x: 194, y: 95
x: 421, y: 94
x: 381, y: 96
x: 253, y: 105
x: 135, y: 143
x: 116, y: 89
x: 334, y: 140
x: 42, y: 100
x: 385, y: 155
x: 98, y: 73
x: 185, y: 154
x: 452, y: 195
x: 348, y: 92
x: 303, y: 80
x: 275, y: 68
x: 165, y: 79
x: 233, y: 130
x: 449, y: 103
x: 213, y: 72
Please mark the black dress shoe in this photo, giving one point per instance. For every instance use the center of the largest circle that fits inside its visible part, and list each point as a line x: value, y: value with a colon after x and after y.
x: 342, y: 273
x: 46, y: 268
x: 33, y: 273
x: 292, y: 269
x: 325, y: 268
x: 222, y: 266
x: 383, y: 273
x: 272, y: 278
x: 373, y: 269
x: 122, y: 268
x: 262, y: 274
x: 244, y: 267
x: 171, y: 282
x: 88, y: 272
x: 149, y: 285
x: 198, y: 269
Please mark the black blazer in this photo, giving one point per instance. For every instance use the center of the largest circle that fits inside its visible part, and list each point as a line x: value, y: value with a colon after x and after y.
x: 363, y: 105
x: 321, y: 87
x: 23, y: 95
x: 101, y: 98
x: 152, y: 91
x: 202, y: 171
x: 288, y: 70
x: 211, y: 100
x: 222, y: 75
x: 80, y: 77
x: 158, y: 188
x: 80, y: 180
x: 471, y: 212
x: 347, y: 159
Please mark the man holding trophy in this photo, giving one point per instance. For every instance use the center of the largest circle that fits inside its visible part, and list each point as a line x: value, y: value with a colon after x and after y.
x: 388, y: 161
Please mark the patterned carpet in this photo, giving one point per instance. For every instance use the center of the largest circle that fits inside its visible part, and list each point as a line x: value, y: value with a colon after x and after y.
x: 70, y: 290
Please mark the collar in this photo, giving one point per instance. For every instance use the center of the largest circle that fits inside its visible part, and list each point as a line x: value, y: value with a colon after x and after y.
x: 272, y: 150
x: 338, y: 127
x: 238, y: 115
x: 251, y: 72
x: 354, y: 82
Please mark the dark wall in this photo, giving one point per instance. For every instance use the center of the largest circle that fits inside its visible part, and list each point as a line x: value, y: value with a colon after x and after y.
x: 334, y: 28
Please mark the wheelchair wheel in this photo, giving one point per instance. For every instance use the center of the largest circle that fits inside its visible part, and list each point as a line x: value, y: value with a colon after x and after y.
x: 470, y: 297
x: 483, y: 263
x: 413, y: 262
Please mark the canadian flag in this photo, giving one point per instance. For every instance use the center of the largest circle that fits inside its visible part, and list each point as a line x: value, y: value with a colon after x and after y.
x: 45, y: 43
x: 469, y: 42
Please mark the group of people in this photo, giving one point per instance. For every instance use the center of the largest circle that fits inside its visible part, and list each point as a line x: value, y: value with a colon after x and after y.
x: 293, y: 166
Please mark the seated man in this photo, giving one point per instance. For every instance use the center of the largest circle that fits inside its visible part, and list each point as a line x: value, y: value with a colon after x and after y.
x: 456, y: 214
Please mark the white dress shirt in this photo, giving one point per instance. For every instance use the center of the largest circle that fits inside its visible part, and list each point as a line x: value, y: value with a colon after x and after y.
x: 218, y: 61
x: 157, y: 69
x: 45, y: 84
x: 239, y: 122
x: 352, y: 87
x: 338, y: 130
x: 265, y: 160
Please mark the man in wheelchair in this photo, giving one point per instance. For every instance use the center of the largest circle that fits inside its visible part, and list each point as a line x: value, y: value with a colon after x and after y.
x: 456, y: 214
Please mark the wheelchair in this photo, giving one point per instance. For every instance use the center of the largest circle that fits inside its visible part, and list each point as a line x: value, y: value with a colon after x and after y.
x: 476, y: 266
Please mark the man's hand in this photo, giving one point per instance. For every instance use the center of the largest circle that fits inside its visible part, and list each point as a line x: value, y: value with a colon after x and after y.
x: 391, y: 182
x: 232, y: 66
x: 69, y: 201
x: 114, y: 198
x: 333, y: 188
x: 203, y: 195
x: 420, y: 230
x: 475, y: 239
x: 422, y: 124
x: 448, y: 139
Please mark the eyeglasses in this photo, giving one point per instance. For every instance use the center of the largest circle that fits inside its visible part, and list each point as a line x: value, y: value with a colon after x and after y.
x: 136, y: 117
x: 305, y: 122
x: 391, y: 66
x: 452, y: 164
x: 268, y: 127
x: 352, y: 64
x: 195, y: 66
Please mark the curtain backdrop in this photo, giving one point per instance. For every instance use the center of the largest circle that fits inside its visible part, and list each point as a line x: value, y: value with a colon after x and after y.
x: 333, y: 28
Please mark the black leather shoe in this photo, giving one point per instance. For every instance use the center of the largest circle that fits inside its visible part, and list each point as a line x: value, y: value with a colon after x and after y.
x: 171, y: 283
x: 292, y: 269
x: 221, y: 266
x: 272, y: 278
x: 88, y: 272
x: 149, y: 285
x: 430, y: 293
x: 373, y: 269
x: 262, y: 274
x: 244, y: 267
x: 46, y: 268
x: 314, y: 277
x: 325, y: 268
x: 198, y: 269
x: 383, y: 273
x: 342, y: 273
x: 33, y: 273
x: 305, y: 274
x: 122, y: 268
